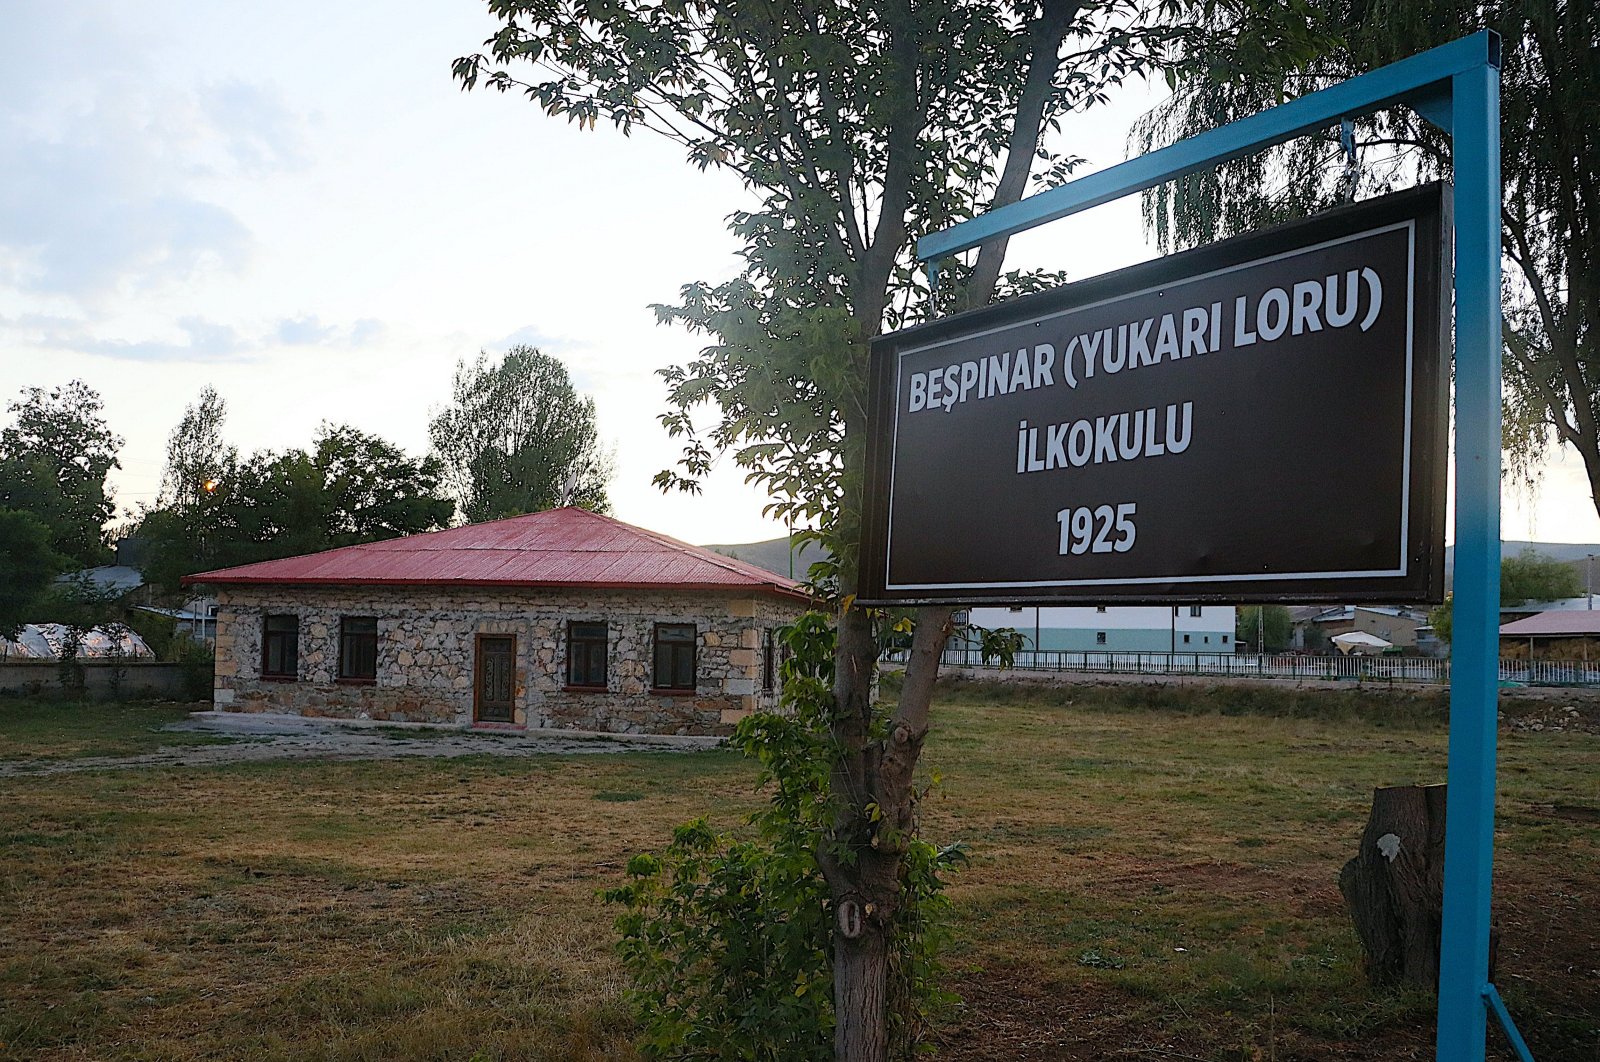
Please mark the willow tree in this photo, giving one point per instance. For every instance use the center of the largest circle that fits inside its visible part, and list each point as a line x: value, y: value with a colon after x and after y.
x: 1259, y: 51
x: 856, y: 127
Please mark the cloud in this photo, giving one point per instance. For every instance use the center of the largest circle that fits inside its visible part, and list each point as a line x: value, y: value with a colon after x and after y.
x: 103, y: 177
x: 258, y: 132
x: 533, y: 336
x: 590, y: 372
x: 303, y: 331
x: 194, y: 338
x: 203, y: 340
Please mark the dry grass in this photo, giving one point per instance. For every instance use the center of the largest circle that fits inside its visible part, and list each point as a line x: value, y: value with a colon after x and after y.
x: 442, y: 910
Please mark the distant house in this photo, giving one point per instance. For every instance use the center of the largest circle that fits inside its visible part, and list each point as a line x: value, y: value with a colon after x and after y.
x: 1117, y: 628
x: 1524, y: 609
x: 562, y: 618
x: 1396, y: 625
x: 196, y: 620
x: 116, y: 581
x: 1559, y: 634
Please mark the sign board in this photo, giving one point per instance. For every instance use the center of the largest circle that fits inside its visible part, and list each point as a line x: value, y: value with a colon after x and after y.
x: 1260, y: 419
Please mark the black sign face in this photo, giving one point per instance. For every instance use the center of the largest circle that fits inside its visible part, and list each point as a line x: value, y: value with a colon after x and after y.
x: 1261, y: 419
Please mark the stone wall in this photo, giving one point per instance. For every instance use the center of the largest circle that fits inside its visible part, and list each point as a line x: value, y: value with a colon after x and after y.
x: 427, y: 644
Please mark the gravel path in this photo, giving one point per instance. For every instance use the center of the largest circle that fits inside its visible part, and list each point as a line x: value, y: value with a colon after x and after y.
x: 256, y: 740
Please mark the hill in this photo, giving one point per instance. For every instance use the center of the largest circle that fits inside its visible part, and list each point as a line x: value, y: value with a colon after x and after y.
x: 775, y: 555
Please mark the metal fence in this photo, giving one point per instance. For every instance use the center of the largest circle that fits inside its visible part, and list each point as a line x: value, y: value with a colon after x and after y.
x: 1251, y: 665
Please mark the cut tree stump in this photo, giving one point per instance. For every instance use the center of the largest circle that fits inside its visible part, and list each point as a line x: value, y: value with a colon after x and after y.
x: 1394, y: 887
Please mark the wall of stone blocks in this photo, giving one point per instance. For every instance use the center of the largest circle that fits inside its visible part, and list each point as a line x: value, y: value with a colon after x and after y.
x: 427, y: 644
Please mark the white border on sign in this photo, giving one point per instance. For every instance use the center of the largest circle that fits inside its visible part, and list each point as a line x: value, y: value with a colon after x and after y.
x: 1410, y: 225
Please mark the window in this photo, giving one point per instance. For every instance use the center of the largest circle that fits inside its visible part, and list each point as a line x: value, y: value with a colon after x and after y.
x: 769, y: 661
x: 1224, y: 639
x: 586, y: 655
x: 1099, y: 637
x: 358, y: 649
x: 1208, y: 639
x: 1014, y: 608
x: 674, y: 656
x: 280, y: 647
x: 1099, y: 608
x: 1185, y: 639
x: 1194, y: 611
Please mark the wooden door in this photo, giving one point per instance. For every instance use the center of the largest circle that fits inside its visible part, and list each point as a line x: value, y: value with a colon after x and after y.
x: 495, y: 682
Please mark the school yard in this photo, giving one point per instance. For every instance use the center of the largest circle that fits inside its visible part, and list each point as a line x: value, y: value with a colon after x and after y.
x: 1152, y: 877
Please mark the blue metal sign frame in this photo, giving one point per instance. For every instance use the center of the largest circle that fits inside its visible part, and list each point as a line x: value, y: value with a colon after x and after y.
x: 1456, y: 87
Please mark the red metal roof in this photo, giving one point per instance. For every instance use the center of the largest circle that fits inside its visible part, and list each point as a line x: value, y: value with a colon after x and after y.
x: 1558, y: 622
x: 557, y: 548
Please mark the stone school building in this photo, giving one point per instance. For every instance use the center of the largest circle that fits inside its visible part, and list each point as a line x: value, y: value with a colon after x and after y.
x: 563, y: 619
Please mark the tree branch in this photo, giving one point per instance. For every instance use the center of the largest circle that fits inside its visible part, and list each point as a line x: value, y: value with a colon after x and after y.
x: 1045, y: 38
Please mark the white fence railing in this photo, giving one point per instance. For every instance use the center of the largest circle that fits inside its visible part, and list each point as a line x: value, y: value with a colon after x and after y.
x: 1248, y: 665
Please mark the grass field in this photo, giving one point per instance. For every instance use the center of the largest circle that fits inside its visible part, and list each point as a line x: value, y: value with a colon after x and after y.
x: 1152, y: 878
x: 45, y: 730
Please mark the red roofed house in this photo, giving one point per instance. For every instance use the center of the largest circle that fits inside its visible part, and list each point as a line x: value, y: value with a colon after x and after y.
x: 563, y: 618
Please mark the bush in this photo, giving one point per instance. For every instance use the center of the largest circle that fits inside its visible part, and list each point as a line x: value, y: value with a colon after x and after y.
x: 199, y: 667
x: 729, y: 941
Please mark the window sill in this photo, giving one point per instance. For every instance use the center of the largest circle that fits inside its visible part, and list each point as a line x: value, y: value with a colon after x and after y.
x: 280, y: 678
x: 355, y: 682
x: 673, y: 693
x: 585, y: 689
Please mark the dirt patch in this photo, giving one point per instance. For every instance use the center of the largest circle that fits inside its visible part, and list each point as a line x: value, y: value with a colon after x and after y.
x: 260, y: 742
x: 1009, y: 1014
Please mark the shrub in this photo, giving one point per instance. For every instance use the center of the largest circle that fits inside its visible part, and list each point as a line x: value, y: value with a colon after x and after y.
x: 199, y: 667
x: 729, y: 940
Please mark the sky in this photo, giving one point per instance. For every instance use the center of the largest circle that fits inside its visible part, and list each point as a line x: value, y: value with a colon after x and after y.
x: 294, y: 203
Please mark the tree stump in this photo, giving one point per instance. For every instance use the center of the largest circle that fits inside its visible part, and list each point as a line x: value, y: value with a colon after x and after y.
x: 1394, y: 887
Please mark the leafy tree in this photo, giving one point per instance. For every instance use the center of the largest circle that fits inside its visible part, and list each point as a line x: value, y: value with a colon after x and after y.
x: 80, y: 606
x: 374, y: 490
x: 1257, y: 52
x: 1316, y: 639
x: 54, y: 458
x: 515, y: 435
x: 1279, y: 627
x: 1529, y: 576
x: 856, y: 127
x: 1443, y: 618
x: 181, y: 533
x: 199, y: 461
x: 1532, y: 576
x: 28, y: 563
x: 351, y: 487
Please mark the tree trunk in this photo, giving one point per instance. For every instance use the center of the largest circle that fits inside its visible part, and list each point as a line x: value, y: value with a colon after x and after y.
x: 1394, y: 887
x: 860, y: 985
x: 866, y: 886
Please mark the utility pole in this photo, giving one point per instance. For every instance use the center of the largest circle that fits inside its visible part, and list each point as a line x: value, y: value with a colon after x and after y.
x: 1588, y: 580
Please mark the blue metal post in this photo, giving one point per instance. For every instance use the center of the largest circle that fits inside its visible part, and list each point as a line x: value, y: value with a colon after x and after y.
x: 1475, y: 646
